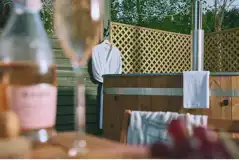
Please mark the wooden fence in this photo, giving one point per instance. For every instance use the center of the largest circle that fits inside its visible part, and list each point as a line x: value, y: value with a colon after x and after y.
x: 222, y: 51
x: 145, y: 50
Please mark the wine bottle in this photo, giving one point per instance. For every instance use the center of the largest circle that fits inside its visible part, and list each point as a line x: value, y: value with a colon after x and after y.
x: 28, y: 72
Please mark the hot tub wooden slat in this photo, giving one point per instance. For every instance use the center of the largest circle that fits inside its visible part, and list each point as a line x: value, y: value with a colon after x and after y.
x: 163, y: 102
x: 144, y: 102
x: 235, y: 100
x: 111, y: 118
x: 218, y: 110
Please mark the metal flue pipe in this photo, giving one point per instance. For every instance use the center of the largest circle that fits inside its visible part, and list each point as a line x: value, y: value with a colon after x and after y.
x: 198, y: 37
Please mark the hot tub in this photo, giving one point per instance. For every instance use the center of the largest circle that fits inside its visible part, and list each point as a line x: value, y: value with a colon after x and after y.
x: 164, y: 92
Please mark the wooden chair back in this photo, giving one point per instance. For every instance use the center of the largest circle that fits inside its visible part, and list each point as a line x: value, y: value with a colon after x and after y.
x: 229, y: 126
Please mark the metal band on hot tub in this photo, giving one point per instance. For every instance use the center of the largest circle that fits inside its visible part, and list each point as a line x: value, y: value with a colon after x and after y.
x: 167, y: 92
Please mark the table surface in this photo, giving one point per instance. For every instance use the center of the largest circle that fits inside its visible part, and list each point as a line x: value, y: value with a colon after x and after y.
x: 97, y: 148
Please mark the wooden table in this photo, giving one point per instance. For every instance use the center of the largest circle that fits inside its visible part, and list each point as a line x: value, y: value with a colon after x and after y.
x: 98, y: 148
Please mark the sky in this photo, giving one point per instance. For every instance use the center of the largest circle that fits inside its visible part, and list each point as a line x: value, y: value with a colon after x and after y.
x: 236, y: 3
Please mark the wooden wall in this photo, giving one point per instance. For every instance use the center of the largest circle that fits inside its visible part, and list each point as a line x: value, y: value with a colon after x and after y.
x: 66, y: 81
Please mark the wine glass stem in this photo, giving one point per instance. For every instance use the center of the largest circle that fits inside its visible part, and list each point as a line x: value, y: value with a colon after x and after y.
x: 80, y: 105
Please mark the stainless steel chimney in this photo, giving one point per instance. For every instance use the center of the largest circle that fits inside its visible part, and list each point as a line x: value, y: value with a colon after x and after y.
x: 198, y: 37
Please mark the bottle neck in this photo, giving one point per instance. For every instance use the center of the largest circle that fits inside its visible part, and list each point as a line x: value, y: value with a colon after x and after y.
x: 24, y: 37
x: 27, y: 5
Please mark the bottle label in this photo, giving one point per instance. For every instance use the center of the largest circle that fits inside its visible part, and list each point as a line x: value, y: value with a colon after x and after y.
x: 33, y: 4
x: 35, y: 105
x: 81, y: 106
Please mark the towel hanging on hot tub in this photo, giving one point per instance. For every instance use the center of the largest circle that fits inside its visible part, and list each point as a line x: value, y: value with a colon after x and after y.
x: 196, y: 89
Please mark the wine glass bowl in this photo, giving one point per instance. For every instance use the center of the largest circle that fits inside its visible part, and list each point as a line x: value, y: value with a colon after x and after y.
x: 77, y: 25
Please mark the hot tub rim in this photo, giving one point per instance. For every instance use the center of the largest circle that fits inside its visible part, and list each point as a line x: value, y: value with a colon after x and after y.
x: 168, y: 74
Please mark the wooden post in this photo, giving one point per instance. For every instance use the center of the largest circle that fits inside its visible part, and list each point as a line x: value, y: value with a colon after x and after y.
x: 106, y: 20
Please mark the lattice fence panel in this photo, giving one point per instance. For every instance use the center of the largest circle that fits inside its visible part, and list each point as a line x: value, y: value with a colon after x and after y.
x: 146, y: 50
x: 222, y: 51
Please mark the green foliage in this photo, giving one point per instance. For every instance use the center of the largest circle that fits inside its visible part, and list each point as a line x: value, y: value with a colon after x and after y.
x: 46, y: 14
x: 170, y: 15
x: 6, y: 2
x: 5, y: 8
x: 47, y: 17
x: 232, y: 18
x: 208, y: 21
x: 180, y: 23
x: 154, y: 14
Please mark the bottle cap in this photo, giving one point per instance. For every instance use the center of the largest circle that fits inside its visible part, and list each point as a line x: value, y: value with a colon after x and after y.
x: 33, y: 4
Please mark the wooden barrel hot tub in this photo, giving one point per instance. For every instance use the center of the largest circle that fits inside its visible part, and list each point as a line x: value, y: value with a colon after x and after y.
x: 164, y: 92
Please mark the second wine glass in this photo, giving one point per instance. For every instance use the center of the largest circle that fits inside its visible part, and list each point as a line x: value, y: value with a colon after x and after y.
x: 77, y: 25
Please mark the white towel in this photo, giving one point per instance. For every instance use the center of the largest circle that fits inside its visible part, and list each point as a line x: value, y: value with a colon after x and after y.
x: 106, y: 59
x: 149, y: 127
x: 196, y: 89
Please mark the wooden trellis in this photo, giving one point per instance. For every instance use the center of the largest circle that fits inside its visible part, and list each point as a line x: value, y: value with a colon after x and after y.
x: 222, y: 51
x: 145, y: 50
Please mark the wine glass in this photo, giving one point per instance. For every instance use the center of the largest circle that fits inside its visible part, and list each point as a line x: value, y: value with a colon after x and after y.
x: 77, y: 25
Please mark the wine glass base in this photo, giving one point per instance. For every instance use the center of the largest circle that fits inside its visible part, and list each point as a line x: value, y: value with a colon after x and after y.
x: 41, y: 136
x: 79, y: 148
